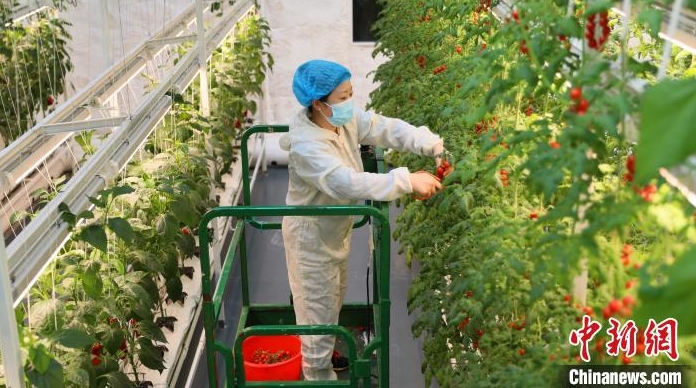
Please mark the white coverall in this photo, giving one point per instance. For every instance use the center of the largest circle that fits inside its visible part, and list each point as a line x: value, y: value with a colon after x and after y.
x: 326, y: 169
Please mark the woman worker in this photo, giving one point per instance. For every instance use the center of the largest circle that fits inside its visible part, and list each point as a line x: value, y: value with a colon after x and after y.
x: 325, y: 168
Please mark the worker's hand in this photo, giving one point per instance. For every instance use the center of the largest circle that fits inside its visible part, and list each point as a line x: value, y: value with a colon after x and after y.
x: 424, y: 184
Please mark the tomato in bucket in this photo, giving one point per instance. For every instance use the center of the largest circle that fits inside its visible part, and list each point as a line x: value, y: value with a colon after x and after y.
x: 272, y: 358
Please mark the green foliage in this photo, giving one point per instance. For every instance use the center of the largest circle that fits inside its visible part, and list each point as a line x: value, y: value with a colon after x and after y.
x: 673, y: 296
x: 666, y: 139
x: 541, y: 188
x: 243, y: 63
x: 115, y: 278
x: 34, y: 60
x: 72, y: 338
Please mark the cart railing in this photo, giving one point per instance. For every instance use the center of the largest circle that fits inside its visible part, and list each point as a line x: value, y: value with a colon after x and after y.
x: 213, y: 297
x: 260, y: 314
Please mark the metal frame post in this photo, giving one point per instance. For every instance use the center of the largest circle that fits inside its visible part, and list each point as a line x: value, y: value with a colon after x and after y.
x: 9, y: 335
x: 202, y: 60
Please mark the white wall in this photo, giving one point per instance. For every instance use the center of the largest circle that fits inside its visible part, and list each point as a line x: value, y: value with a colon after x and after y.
x: 313, y: 29
x: 304, y: 30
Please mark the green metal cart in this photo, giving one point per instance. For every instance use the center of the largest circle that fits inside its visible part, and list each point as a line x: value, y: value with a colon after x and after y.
x: 271, y: 319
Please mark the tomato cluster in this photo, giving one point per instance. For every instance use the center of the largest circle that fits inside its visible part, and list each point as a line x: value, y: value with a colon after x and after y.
x: 647, y: 191
x: 524, y: 49
x: 582, y: 104
x: 595, y: 38
x: 626, y: 255
x: 529, y: 110
x: 515, y: 15
x: 442, y: 170
x: 96, y: 353
x: 486, y: 124
x: 421, y: 61
x: 630, y: 168
x: 263, y: 356
x: 504, y: 178
x: 440, y: 69
x: 616, y: 306
x: 484, y: 6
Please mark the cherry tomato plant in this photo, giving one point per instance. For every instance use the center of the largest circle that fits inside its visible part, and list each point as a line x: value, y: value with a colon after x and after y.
x: 539, y: 119
x: 34, y: 62
x: 99, y: 315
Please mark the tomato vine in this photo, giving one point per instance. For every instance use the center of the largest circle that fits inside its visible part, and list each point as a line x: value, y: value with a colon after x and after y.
x: 540, y: 136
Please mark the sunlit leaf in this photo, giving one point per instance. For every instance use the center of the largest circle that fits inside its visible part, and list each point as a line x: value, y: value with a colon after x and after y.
x: 51, y: 376
x: 674, y: 299
x: 72, y: 338
x: 652, y: 18
x: 92, y: 282
x: 666, y: 136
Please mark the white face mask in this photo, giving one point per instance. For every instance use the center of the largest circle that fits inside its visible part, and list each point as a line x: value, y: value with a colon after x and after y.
x: 341, y: 112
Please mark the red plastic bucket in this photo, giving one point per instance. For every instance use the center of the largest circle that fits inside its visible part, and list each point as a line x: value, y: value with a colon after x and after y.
x: 288, y: 370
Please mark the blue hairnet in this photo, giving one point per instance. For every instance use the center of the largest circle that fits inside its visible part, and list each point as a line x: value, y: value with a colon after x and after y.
x: 317, y: 78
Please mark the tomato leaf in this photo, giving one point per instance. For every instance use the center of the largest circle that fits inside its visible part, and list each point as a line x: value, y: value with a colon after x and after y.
x: 92, y: 282
x: 185, y: 212
x: 50, y: 374
x: 77, y: 376
x: 99, y: 202
x: 94, y: 235
x: 569, y: 26
x: 116, y: 379
x: 597, y: 6
x: 675, y: 299
x: 150, y: 355
x: 72, y: 338
x: 86, y: 214
x: 652, y: 18
x: 121, y: 190
x: 151, y: 330
x: 668, y: 111
x: 122, y: 228
x: 174, y: 288
x: 40, y: 359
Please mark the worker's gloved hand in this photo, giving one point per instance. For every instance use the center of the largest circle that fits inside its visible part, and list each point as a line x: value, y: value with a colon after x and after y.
x: 424, y: 184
